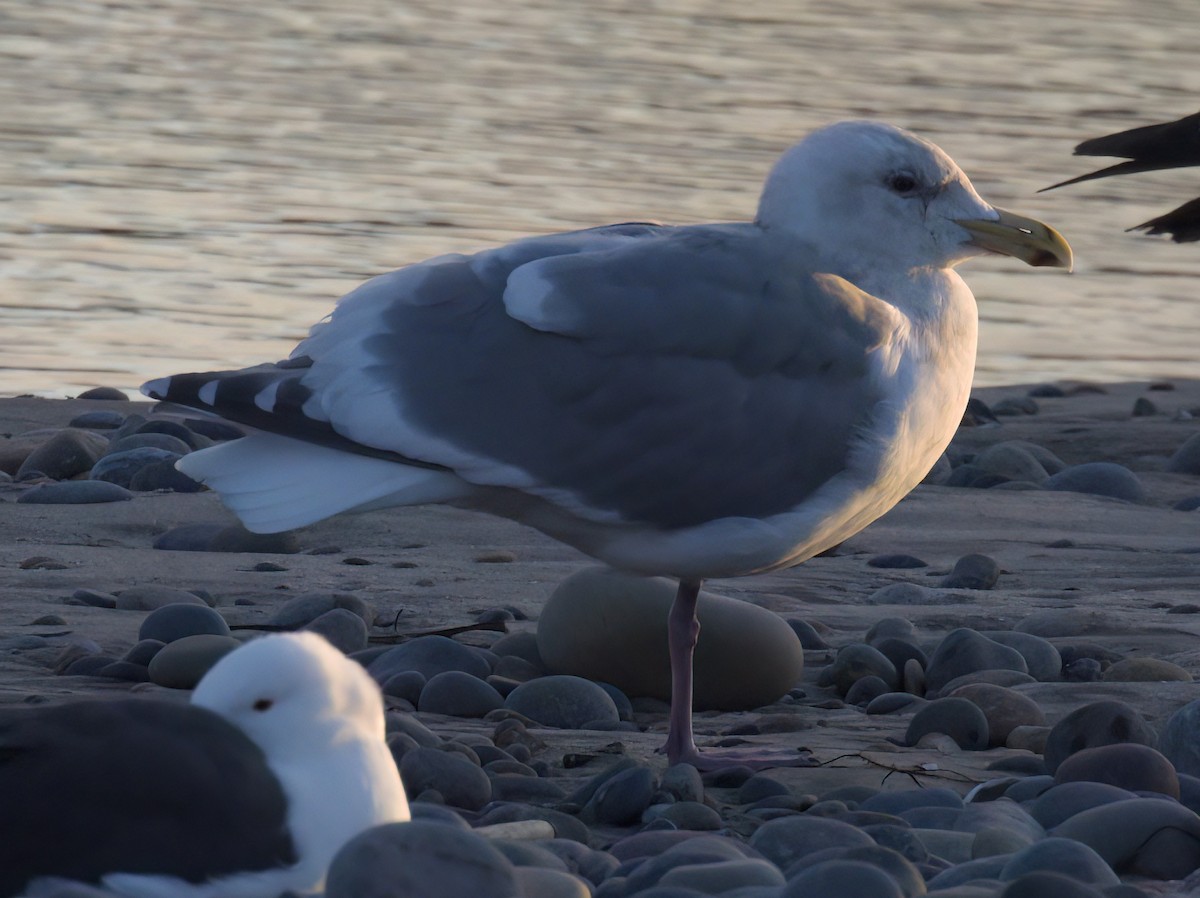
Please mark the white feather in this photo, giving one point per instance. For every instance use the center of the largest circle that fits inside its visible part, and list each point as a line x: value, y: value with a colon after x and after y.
x: 275, y: 483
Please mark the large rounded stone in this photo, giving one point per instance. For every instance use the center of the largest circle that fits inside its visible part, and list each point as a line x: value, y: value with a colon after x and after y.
x: 621, y: 799
x: 786, y: 839
x: 1053, y: 623
x: 420, y: 859
x: 182, y: 663
x: 1005, y: 709
x: 1147, y: 836
x: 723, y: 876
x: 1100, y: 478
x: 189, y: 437
x: 307, y: 607
x: 153, y: 440
x: 1061, y: 802
x: 889, y: 860
x: 705, y: 849
x: 978, y: 816
x: 461, y: 783
x: 1126, y: 765
x: 900, y: 652
x: 539, y: 882
x: 431, y: 655
x: 896, y: 803
x: 344, y: 629
x: 1012, y: 462
x: 1094, y: 724
x: 1042, y: 658
x: 563, y: 701
x: 457, y: 694
x: 858, y: 661
x: 1146, y: 670
x: 972, y: 572
x: 75, y: 492
x: 964, y: 651
x: 1063, y: 856
x: 957, y: 718
x: 1186, y: 459
x: 120, y: 467
x: 610, y: 626
x: 67, y: 453
x: 841, y: 877
x: 98, y: 420
x: 171, y: 622
x: 1047, y: 884
x: 1180, y: 739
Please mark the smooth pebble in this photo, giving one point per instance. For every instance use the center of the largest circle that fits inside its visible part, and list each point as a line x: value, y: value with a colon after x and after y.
x: 1100, y: 478
x: 458, y: 694
x: 972, y: 572
x: 604, y: 625
x: 168, y: 623
x: 957, y: 718
x: 1126, y: 765
x: 1094, y: 724
x: 344, y: 629
x: 563, y: 701
x: 431, y: 655
x: 182, y: 663
x: 964, y: 651
x: 461, y: 783
x: 420, y: 859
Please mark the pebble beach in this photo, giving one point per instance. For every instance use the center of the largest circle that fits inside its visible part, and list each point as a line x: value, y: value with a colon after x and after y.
x: 976, y: 686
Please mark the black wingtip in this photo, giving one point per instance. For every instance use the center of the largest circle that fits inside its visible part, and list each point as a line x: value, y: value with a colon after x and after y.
x: 1182, y: 224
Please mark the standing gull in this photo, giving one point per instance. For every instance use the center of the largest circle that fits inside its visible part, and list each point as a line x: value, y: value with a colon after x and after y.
x: 702, y: 401
x: 1151, y: 148
x: 250, y: 790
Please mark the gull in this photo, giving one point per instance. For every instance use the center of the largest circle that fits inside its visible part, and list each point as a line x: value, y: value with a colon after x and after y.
x: 1151, y: 148
x: 697, y: 401
x: 247, y: 792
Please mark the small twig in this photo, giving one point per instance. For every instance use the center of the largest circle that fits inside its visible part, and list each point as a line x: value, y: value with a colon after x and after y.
x: 392, y: 638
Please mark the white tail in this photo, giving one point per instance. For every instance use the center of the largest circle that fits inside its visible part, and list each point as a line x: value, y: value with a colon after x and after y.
x: 275, y: 483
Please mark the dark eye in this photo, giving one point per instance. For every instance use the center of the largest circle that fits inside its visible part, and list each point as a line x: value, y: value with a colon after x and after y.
x: 902, y: 182
x: 263, y: 704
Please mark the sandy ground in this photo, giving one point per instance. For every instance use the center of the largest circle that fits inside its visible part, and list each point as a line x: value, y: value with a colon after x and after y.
x: 1127, y: 566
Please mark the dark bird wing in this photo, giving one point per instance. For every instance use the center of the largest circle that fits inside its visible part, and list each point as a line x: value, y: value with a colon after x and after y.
x: 1183, y: 224
x: 1148, y: 148
x: 1151, y: 148
x: 133, y: 786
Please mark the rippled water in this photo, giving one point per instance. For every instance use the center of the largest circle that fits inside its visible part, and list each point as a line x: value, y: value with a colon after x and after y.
x: 188, y: 184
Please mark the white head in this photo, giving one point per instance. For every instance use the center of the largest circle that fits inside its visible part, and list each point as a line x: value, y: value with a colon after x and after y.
x: 293, y: 693
x: 318, y: 718
x: 866, y: 194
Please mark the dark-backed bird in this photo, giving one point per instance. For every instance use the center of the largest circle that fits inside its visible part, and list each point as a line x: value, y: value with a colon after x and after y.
x: 696, y: 401
x: 247, y: 792
x: 1151, y: 148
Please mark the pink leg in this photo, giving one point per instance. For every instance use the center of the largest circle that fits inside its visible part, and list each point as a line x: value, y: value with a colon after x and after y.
x: 682, y: 631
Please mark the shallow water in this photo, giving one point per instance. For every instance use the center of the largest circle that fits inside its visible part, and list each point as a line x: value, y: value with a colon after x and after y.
x: 189, y: 184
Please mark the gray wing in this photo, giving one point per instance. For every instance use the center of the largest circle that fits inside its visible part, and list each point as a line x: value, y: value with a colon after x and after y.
x: 668, y: 376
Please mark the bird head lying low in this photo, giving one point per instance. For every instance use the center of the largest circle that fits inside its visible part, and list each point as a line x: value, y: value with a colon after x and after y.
x: 865, y: 193
x: 273, y: 688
